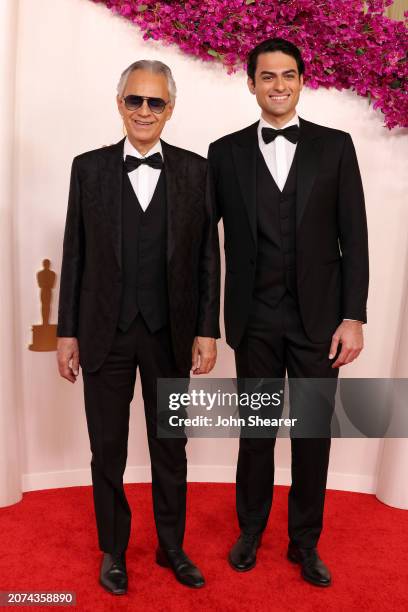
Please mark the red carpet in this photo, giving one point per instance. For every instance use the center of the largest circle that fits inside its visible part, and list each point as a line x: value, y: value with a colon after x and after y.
x: 48, y: 542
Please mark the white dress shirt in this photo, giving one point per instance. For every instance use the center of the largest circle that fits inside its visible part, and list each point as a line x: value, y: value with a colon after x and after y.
x: 279, y: 153
x: 144, y: 179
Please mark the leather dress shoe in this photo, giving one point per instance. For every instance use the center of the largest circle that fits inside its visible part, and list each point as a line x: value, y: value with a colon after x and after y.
x: 242, y: 556
x: 313, y: 568
x: 183, y: 568
x: 113, y: 576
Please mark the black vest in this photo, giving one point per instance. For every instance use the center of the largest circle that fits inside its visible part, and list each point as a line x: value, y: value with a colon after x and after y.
x: 144, y: 258
x: 276, y: 227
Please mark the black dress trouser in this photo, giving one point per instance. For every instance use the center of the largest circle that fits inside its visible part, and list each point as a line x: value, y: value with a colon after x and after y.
x: 108, y: 393
x: 275, y: 343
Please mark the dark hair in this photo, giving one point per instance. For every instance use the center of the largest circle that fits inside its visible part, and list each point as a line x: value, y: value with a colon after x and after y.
x: 269, y: 46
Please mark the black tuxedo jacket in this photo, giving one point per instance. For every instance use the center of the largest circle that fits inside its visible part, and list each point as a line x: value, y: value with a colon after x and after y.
x: 331, y: 228
x: 91, y: 283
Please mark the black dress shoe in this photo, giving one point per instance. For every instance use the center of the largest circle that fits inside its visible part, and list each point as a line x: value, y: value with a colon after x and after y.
x: 242, y: 556
x: 113, y: 575
x: 313, y: 568
x: 183, y: 568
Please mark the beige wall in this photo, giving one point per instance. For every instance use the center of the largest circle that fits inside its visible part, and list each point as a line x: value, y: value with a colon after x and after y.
x: 397, y: 9
x: 69, y: 58
x: 10, y: 468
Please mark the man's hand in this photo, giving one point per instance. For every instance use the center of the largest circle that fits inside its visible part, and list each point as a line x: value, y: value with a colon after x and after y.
x: 68, y: 358
x: 350, y: 335
x: 204, y: 355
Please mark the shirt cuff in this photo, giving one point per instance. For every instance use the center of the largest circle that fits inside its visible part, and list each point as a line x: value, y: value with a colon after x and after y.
x: 353, y: 320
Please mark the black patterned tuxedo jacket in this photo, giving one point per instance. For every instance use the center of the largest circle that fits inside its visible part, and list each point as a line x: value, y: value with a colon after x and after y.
x: 91, y: 283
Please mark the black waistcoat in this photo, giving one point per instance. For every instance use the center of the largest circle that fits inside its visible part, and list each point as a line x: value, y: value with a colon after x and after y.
x: 144, y: 261
x: 276, y: 227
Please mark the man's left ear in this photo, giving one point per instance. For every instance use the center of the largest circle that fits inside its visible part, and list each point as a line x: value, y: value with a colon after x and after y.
x: 301, y: 81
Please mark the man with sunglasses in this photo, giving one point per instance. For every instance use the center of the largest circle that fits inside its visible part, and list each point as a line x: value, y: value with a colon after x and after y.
x: 139, y: 289
x: 291, y: 198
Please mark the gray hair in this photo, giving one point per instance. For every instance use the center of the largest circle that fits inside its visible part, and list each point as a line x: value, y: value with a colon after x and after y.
x: 153, y: 66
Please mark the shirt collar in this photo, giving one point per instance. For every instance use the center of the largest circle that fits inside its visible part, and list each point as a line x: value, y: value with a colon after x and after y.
x: 129, y: 149
x: 263, y: 123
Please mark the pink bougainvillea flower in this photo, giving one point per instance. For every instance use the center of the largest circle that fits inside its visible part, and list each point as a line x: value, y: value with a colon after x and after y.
x: 344, y: 45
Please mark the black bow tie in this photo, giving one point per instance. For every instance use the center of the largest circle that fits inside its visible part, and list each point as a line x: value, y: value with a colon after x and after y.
x: 291, y: 133
x: 154, y: 161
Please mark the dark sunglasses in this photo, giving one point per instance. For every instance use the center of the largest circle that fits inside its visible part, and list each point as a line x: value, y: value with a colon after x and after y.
x: 156, y: 105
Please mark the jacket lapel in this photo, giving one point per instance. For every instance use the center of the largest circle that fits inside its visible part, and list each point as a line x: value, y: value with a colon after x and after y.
x: 244, y: 152
x: 175, y: 173
x: 308, y: 152
x: 111, y: 177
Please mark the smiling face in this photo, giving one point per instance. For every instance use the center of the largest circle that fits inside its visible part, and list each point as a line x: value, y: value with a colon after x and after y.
x: 277, y: 86
x: 143, y: 126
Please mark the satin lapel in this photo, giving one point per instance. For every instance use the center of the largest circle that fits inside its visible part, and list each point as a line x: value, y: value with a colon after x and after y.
x: 111, y: 177
x: 308, y: 153
x: 244, y: 152
x: 175, y: 174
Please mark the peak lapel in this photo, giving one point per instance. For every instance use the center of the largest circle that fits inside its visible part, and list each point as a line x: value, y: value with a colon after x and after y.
x: 111, y: 177
x: 244, y: 151
x: 309, y: 151
x: 175, y: 173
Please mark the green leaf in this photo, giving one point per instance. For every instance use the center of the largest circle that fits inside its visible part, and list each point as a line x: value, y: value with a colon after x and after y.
x: 395, y: 84
x: 142, y: 7
x: 360, y: 51
x: 178, y: 25
x: 215, y: 54
x: 249, y: 2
